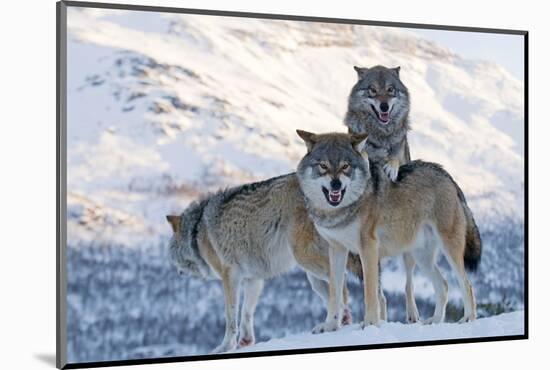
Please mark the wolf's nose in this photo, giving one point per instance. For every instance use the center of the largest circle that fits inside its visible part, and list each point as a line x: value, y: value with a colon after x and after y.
x: 384, y: 107
x: 335, y: 184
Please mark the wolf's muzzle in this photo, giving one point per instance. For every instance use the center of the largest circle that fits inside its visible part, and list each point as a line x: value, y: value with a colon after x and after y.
x: 334, y: 197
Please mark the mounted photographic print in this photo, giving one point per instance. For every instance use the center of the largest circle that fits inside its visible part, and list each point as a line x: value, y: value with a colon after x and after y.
x: 236, y: 184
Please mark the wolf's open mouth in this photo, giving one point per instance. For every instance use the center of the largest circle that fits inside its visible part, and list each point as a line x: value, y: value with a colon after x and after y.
x: 383, y: 117
x: 334, y: 197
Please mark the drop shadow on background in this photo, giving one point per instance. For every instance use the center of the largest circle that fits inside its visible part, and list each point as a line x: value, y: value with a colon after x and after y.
x: 46, y: 358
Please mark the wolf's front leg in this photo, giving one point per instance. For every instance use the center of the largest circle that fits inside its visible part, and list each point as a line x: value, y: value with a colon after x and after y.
x: 231, y: 282
x: 252, y: 290
x: 338, y: 258
x: 369, y: 261
x: 391, y: 168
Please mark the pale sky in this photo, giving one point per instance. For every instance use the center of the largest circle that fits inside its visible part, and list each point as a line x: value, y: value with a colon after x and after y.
x: 506, y: 50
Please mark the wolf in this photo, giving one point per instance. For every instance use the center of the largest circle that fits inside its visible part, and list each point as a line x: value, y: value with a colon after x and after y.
x: 379, y: 105
x: 246, y: 234
x: 358, y: 209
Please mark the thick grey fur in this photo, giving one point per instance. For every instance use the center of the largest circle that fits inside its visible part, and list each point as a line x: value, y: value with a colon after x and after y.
x: 388, y: 140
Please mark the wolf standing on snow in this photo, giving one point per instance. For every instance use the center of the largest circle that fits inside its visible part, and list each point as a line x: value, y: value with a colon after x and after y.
x: 245, y: 235
x: 378, y: 105
x: 356, y: 208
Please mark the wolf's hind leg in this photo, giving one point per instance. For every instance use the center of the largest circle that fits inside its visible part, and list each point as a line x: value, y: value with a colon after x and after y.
x: 383, y: 304
x: 252, y: 290
x: 454, y: 253
x: 381, y: 296
x: 347, y: 317
x: 320, y: 287
x: 231, y: 282
x: 425, y: 258
x: 412, y: 310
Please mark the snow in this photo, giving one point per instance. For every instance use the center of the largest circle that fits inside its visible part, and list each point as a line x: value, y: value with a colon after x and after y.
x: 507, y: 324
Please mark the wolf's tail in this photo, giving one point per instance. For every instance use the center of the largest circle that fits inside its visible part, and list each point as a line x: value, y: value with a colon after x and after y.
x: 472, y: 253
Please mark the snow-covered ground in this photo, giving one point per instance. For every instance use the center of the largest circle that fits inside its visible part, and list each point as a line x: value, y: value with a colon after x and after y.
x: 393, y: 332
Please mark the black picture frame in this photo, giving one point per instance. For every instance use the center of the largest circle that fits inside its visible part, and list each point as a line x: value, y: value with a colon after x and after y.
x: 61, y: 187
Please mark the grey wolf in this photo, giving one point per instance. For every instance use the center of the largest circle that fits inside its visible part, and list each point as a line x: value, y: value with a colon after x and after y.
x: 356, y: 208
x: 379, y: 105
x: 245, y: 235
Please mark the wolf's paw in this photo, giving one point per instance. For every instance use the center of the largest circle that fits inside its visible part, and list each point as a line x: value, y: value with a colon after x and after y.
x: 326, y: 326
x: 433, y: 320
x: 225, y: 347
x: 370, y: 320
x: 391, y: 169
x: 347, y: 319
x: 246, y: 341
x: 467, y: 319
x: 366, y: 324
x: 413, y: 317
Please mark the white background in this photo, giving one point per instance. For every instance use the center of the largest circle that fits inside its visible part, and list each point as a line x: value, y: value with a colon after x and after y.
x: 27, y: 145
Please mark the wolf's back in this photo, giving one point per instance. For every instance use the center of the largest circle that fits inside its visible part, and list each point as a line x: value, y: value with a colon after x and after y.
x: 472, y: 252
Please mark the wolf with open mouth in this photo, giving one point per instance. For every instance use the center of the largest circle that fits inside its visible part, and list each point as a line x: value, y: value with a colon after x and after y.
x: 422, y: 214
x: 378, y: 105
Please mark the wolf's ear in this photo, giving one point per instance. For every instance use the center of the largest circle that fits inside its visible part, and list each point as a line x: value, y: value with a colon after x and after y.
x: 175, y: 221
x: 361, y: 72
x: 396, y: 70
x: 308, y: 137
x: 358, y: 141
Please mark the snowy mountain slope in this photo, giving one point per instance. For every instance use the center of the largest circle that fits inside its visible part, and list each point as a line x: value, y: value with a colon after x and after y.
x: 502, y: 325
x: 163, y: 107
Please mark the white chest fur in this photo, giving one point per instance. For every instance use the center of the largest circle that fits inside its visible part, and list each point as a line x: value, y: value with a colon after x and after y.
x: 348, y: 236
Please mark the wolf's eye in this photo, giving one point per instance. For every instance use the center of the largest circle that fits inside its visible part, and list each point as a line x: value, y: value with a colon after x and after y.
x: 372, y: 91
x: 345, y: 167
x: 323, y: 166
x: 391, y: 90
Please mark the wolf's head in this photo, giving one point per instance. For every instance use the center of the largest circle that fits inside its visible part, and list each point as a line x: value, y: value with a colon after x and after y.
x: 334, y: 173
x: 381, y: 96
x: 183, y: 245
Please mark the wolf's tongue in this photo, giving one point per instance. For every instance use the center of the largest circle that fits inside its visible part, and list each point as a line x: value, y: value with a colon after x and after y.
x: 384, y: 117
x: 334, y: 196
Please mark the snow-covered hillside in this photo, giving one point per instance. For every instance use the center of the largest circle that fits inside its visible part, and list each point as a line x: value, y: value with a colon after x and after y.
x: 501, y: 325
x: 163, y: 107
